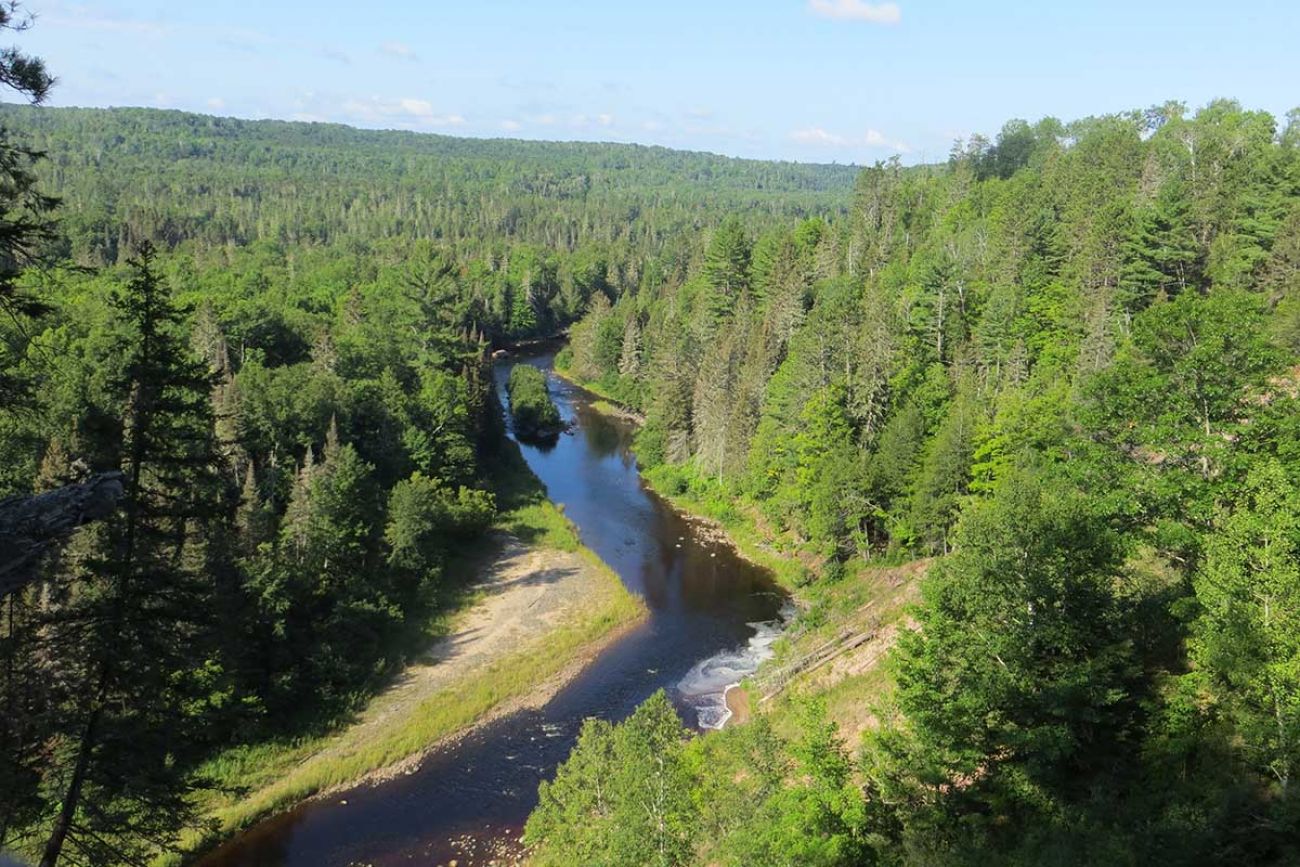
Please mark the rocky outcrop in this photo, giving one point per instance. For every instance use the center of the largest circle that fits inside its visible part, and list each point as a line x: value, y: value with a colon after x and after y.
x: 30, y: 525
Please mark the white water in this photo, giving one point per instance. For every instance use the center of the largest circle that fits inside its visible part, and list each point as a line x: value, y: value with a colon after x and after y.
x: 704, y: 688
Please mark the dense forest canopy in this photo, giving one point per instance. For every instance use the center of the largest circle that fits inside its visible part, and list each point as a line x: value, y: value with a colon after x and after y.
x: 1066, y: 366
x: 171, y: 177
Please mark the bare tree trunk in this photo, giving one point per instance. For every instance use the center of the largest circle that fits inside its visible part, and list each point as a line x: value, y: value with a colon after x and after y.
x: 72, y: 798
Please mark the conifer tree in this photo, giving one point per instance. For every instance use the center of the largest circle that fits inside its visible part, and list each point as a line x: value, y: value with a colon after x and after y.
x: 117, y: 772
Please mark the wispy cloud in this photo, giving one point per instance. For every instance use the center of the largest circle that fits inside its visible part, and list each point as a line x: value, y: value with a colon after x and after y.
x: 856, y: 10
x: 85, y: 16
x: 872, y: 138
x: 511, y: 125
x: 216, y: 103
x: 399, y: 50
x: 404, y: 112
x: 336, y: 55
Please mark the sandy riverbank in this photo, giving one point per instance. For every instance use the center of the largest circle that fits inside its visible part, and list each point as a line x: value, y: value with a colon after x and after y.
x: 539, y: 617
x: 528, y: 594
x: 738, y: 703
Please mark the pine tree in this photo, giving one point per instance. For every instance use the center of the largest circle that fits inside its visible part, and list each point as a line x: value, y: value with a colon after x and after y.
x: 1162, y: 257
x: 121, y: 743
x: 725, y: 270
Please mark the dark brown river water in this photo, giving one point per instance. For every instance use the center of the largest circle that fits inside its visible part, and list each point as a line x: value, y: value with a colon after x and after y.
x: 712, y: 617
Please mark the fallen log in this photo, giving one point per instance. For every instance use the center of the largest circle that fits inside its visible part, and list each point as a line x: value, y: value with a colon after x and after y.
x: 31, y: 525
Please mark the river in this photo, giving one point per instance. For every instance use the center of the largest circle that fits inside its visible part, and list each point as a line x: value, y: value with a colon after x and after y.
x: 711, y: 619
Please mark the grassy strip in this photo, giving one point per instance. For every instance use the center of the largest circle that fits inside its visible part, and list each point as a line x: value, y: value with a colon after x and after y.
x: 258, y: 780
x: 283, y: 775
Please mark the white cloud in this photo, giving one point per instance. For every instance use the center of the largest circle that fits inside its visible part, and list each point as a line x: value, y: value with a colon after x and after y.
x: 416, y: 107
x: 405, y: 112
x: 216, y: 103
x: 817, y: 135
x: 400, y: 50
x: 872, y: 138
x: 586, y: 121
x: 511, y: 125
x: 876, y: 139
x: 856, y: 10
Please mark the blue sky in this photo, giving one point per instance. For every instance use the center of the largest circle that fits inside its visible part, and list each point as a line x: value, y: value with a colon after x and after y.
x: 817, y: 80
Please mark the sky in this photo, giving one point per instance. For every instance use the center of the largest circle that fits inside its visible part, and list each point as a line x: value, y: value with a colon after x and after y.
x: 846, y: 81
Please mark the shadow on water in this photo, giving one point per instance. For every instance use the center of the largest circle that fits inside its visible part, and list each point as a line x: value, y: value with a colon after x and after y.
x: 710, y: 615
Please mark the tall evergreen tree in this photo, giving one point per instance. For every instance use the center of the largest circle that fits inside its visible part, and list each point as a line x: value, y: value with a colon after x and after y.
x: 130, y: 633
x: 1018, y: 688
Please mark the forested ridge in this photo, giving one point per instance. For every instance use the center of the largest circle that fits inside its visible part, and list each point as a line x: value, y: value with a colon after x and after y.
x: 173, y: 178
x: 1065, y: 367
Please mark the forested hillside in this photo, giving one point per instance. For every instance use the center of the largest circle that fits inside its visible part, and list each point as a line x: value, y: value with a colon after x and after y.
x: 205, y: 182
x: 1066, y: 365
x: 278, y: 333
x: 533, y: 227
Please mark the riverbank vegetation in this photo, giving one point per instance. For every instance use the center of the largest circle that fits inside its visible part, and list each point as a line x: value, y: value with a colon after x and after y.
x: 1058, y: 373
x: 643, y: 792
x: 532, y: 410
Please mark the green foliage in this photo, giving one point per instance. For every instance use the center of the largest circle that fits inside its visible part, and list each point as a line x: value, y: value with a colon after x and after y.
x: 640, y: 792
x: 621, y: 798
x: 548, y: 222
x: 426, y: 519
x: 108, y: 671
x: 534, y: 413
x: 1020, y: 681
x: 1065, y: 363
x: 1246, y: 640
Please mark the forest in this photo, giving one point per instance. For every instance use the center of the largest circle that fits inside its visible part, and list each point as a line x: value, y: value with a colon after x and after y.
x: 1060, y: 370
